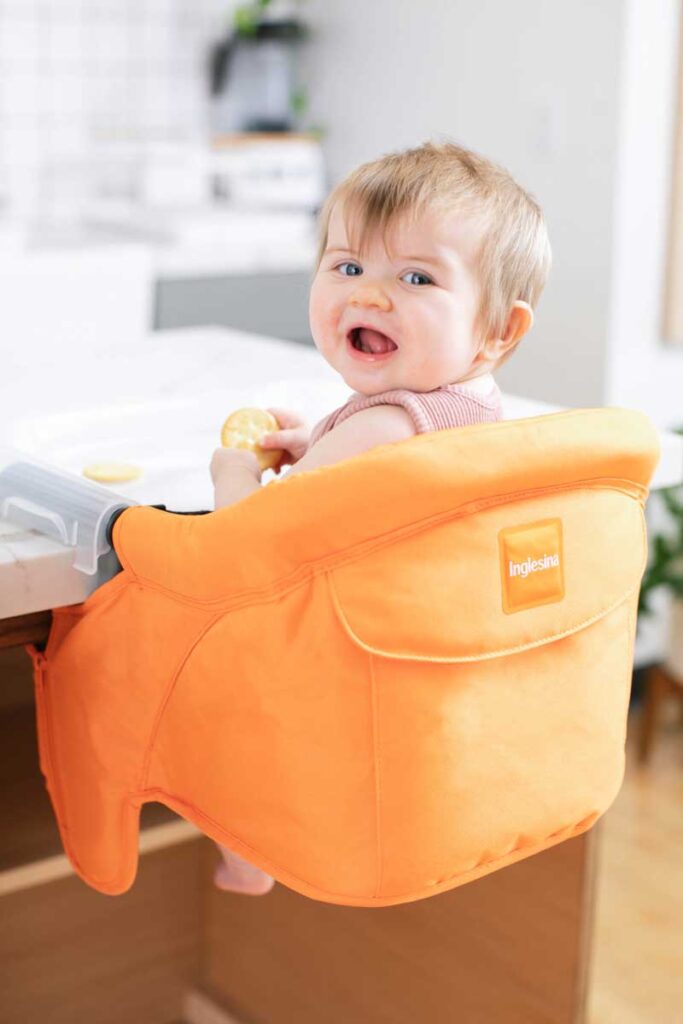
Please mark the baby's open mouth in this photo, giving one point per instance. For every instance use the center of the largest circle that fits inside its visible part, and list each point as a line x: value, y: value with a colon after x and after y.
x: 366, y: 340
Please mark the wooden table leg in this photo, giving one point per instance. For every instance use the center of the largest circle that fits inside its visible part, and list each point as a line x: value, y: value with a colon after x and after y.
x: 658, y: 685
x: 25, y: 629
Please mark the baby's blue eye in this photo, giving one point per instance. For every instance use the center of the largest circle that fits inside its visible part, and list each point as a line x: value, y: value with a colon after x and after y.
x: 348, y: 264
x: 417, y: 273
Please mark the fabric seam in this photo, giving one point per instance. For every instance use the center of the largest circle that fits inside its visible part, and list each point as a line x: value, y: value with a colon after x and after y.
x: 377, y: 763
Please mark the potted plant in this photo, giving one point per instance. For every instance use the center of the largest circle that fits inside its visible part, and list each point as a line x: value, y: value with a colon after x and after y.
x: 666, y: 570
x: 259, y: 47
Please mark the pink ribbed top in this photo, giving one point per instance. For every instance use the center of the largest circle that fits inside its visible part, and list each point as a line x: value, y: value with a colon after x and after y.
x: 452, y: 405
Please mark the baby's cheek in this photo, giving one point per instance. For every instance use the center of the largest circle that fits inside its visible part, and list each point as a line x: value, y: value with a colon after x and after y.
x: 316, y: 300
x: 323, y: 316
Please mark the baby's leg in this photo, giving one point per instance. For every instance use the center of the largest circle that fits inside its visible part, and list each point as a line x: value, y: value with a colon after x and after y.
x: 237, y: 875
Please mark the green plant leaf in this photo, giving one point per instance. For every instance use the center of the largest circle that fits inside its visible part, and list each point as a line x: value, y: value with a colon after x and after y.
x: 245, y: 20
x: 298, y: 101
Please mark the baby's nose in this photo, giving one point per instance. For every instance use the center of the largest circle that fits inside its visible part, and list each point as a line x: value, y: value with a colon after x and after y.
x: 370, y: 295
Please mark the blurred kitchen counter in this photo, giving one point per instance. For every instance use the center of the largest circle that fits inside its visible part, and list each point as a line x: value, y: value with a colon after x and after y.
x: 205, y: 265
x: 218, y: 240
x: 183, y: 240
x: 243, y: 269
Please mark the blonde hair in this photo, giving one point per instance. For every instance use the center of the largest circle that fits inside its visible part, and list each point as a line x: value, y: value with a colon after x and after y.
x: 514, y: 257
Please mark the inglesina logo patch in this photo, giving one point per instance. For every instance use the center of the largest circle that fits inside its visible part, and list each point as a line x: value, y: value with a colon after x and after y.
x: 531, y: 564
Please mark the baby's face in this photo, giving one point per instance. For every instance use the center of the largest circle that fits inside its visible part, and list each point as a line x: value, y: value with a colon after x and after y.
x: 424, y: 299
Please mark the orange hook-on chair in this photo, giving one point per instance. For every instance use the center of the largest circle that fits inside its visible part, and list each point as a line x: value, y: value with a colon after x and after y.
x: 377, y: 680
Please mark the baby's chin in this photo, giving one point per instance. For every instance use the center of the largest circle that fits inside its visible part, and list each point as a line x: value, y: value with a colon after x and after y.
x: 363, y: 386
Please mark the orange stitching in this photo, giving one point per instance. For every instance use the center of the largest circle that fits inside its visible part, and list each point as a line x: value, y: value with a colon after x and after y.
x: 156, y: 725
x: 377, y: 765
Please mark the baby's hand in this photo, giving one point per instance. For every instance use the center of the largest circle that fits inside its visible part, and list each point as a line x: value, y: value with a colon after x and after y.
x: 292, y: 438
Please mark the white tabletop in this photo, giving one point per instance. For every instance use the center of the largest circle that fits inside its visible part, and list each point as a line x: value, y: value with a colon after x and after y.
x: 160, y: 403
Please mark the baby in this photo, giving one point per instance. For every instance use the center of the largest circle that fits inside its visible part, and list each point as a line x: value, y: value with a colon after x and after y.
x: 429, y: 265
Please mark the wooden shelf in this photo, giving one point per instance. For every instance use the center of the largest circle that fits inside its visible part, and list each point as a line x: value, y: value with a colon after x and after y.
x: 248, y: 138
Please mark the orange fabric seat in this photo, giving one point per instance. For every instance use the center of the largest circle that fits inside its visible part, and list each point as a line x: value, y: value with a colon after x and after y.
x: 376, y: 680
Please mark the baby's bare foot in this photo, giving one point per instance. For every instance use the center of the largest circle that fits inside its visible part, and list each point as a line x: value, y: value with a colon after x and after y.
x: 235, y: 874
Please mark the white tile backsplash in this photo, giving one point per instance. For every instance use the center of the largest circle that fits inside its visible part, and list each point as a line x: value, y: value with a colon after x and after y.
x: 79, y: 78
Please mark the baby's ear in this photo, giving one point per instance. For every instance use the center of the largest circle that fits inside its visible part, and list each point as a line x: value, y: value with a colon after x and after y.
x: 520, y: 321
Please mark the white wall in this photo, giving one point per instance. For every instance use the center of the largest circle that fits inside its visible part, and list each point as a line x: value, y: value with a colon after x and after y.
x: 642, y: 371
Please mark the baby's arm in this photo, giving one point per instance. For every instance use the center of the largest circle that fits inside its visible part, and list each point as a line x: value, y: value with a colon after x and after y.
x: 235, y: 473
x: 380, y: 424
